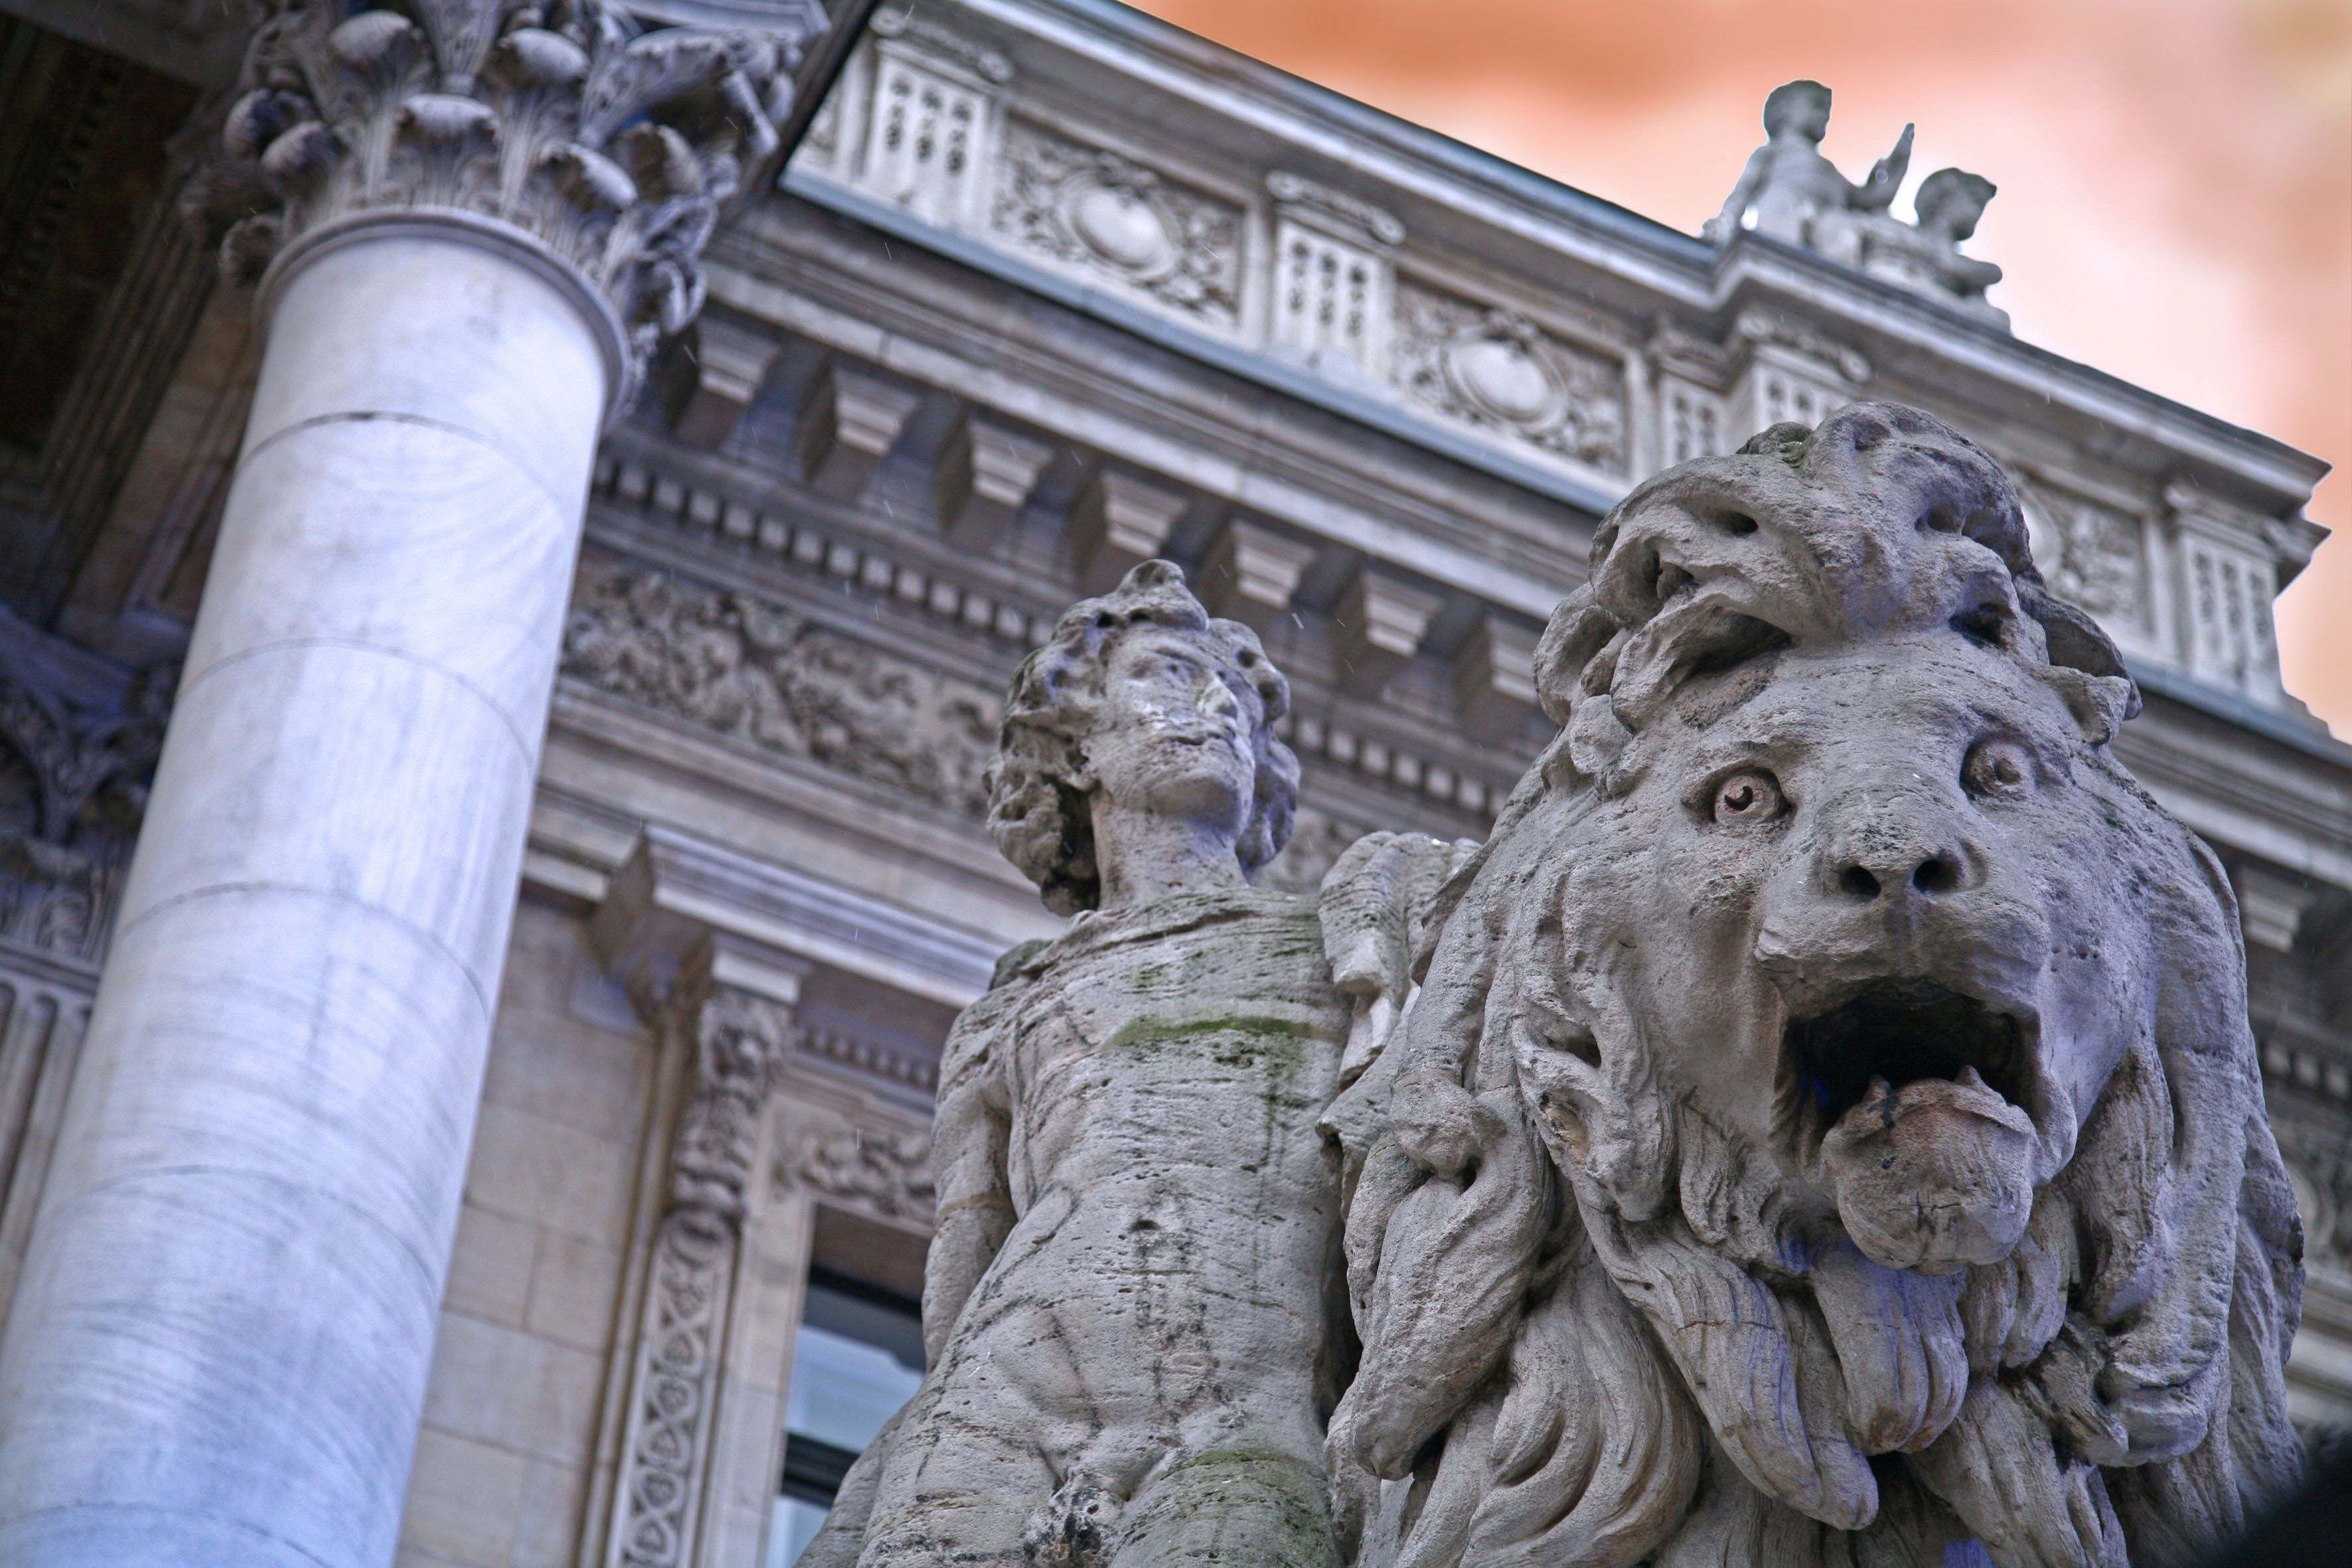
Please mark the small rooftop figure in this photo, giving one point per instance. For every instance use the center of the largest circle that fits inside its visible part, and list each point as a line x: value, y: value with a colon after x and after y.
x: 1790, y: 192
x: 1787, y: 186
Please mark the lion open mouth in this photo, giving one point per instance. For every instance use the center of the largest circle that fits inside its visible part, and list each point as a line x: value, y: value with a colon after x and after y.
x: 1905, y: 1032
x: 1908, y: 1102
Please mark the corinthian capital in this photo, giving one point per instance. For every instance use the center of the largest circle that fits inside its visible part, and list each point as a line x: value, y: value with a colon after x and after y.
x: 612, y: 144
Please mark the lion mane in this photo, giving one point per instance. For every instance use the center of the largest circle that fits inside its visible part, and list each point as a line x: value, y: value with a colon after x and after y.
x: 1598, y: 1325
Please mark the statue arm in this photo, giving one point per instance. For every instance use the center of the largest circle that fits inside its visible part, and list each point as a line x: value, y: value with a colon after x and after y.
x: 1875, y: 193
x: 969, y: 1142
x: 1725, y: 224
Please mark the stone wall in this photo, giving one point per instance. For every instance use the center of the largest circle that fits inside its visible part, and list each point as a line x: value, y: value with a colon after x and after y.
x: 509, y: 1443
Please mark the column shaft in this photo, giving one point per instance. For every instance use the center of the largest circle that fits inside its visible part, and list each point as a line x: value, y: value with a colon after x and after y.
x: 219, y: 1346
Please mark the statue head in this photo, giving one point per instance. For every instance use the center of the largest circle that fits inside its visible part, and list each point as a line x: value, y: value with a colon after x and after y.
x: 1801, y: 108
x: 1831, y: 1013
x: 1951, y: 202
x: 1140, y: 697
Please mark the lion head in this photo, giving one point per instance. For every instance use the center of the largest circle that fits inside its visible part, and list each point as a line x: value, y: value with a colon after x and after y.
x: 1828, y: 1128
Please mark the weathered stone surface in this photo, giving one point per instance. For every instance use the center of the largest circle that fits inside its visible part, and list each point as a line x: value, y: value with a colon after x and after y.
x: 1126, y: 1309
x: 1829, y: 1127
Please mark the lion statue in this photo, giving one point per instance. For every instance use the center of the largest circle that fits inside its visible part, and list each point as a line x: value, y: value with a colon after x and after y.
x: 1826, y: 1128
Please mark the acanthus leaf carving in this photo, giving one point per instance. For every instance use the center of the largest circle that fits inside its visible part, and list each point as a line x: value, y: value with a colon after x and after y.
x: 73, y: 787
x: 613, y: 145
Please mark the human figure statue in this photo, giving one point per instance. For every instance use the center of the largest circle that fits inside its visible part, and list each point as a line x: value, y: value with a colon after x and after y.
x: 1797, y: 196
x: 1926, y: 256
x: 1129, y: 1306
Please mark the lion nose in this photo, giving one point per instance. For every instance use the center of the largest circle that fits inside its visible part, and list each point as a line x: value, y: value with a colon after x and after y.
x: 1934, y: 873
x: 1901, y: 851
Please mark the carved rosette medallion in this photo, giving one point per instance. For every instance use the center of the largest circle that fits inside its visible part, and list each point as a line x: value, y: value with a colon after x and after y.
x: 737, y: 1044
x: 1097, y: 211
x: 612, y: 145
x: 1499, y: 371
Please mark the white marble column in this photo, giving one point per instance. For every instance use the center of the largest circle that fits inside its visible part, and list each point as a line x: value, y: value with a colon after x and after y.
x: 219, y: 1346
x: 475, y: 225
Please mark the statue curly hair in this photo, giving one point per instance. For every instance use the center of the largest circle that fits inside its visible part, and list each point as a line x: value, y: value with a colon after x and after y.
x: 1038, y: 810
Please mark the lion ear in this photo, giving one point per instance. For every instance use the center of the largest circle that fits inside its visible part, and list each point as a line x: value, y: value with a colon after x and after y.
x: 2100, y: 703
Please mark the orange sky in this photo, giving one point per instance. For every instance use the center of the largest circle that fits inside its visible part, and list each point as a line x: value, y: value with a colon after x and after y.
x: 2176, y: 175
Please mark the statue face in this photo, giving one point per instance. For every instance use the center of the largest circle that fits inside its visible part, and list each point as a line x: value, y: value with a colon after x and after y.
x: 1871, y: 942
x: 1175, y: 736
x: 1805, y: 115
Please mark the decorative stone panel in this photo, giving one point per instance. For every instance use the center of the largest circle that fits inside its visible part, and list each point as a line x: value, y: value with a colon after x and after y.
x: 2228, y: 577
x: 1693, y: 423
x: 1090, y: 211
x: 1788, y: 372
x: 933, y: 121
x: 2095, y: 555
x: 729, y: 1044
x: 1334, y: 283
x: 1497, y: 372
x: 2228, y: 594
x: 883, y: 1171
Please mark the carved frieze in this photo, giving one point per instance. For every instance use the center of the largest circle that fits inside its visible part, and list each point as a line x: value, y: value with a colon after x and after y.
x: 1095, y: 211
x: 1499, y: 371
x: 885, y: 1171
x: 753, y: 671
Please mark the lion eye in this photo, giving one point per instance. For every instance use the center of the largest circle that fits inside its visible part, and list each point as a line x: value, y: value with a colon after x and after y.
x: 1749, y: 796
x: 1996, y: 768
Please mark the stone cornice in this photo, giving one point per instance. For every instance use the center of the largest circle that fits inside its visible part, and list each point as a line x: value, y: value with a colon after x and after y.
x: 1121, y: 67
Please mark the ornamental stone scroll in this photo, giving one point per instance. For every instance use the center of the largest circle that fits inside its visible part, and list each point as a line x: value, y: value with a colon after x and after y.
x: 725, y: 1034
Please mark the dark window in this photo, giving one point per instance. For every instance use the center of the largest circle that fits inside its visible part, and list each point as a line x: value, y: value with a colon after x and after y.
x: 858, y: 1357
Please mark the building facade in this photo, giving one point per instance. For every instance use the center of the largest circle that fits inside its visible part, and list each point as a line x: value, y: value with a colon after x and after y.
x: 1048, y: 290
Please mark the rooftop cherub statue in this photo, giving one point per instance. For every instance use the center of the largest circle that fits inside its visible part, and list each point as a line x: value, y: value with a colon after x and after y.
x: 1926, y: 256
x: 1797, y: 195
x: 1130, y: 1299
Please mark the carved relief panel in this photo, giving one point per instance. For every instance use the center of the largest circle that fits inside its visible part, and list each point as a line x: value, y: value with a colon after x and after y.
x: 1788, y: 372
x: 1499, y: 372
x: 1334, y: 284
x: 2227, y: 592
x: 931, y: 126
x: 1095, y: 212
x: 2097, y: 554
x: 756, y: 672
x: 1692, y: 421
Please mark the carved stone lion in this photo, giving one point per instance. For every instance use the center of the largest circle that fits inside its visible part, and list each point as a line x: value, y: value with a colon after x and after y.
x: 1828, y: 1128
